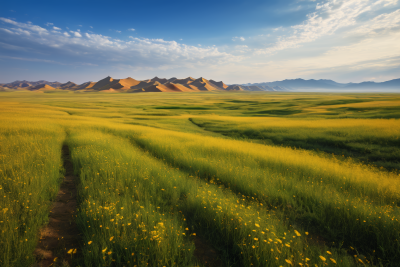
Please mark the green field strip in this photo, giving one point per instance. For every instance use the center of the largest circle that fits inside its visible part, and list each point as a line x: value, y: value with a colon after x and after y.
x: 30, y: 174
x: 372, y: 141
x: 346, y: 219
x: 217, y: 214
x: 117, y: 216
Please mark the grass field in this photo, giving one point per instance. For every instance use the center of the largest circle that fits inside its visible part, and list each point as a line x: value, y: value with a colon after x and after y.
x: 261, y: 179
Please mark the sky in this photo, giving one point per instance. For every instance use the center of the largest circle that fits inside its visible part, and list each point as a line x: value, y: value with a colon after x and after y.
x: 233, y: 41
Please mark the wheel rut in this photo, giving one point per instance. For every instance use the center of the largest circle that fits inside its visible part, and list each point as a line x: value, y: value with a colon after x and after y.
x: 59, y: 239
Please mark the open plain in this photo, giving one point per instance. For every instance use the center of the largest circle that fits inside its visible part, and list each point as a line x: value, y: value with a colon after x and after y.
x: 200, y: 179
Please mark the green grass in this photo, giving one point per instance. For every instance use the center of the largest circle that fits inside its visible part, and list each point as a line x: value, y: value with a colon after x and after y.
x: 157, y: 170
x: 30, y: 172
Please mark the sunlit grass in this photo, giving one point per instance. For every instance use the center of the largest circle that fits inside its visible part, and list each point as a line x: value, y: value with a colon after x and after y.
x: 30, y: 172
x: 151, y: 180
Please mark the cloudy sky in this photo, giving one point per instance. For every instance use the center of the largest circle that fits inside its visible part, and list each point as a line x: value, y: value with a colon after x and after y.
x: 234, y: 41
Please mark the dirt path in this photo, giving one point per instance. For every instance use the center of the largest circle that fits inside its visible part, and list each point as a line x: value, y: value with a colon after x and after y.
x: 61, y: 234
x: 205, y: 253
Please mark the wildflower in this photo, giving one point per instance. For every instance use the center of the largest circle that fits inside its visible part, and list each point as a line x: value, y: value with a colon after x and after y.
x: 111, y: 238
x: 297, y: 233
x: 70, y: 251
x: 288, y: 261
x: 255, y: 238
x: 332, y: 260
x: 322, y: 258
x: 306, y: 233
x: 329, y: 252
x: 90, y: 242
x: 109, y: 253
x: 257, y: 225
x: 104, y: 250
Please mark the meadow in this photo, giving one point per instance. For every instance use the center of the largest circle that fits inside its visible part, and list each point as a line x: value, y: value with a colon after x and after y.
x: 260, y: 179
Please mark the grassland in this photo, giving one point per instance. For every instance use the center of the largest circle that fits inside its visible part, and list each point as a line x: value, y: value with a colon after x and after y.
x: 264, y: 179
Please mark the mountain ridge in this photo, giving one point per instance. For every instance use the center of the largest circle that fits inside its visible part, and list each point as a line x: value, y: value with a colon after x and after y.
x: 189, y: 84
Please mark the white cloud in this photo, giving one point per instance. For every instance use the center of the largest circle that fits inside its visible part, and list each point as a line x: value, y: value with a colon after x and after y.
x: 99, y: 49
x: 238, y: 38
x: 29, y: 27
x: 76, y: 34
x: 242, y: 49
x: 383, y: 22
x: 327, y: 19
x: 48, y: 24
x: 56, y: 28
x: 118, y: 31
x: 7, y: 30
x: 131, y: 29
x: 91, y: 27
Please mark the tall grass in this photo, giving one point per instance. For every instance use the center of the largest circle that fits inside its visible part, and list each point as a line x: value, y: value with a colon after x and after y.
x: 121, y: 222
x: 146, y: 193
x: 349, y: 203
x: 373, y: 141
x: 30, y: 172
x: 125, y: 192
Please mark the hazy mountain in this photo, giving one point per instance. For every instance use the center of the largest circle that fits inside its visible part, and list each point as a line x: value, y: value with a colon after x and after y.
x: 190, y: 84
x: 300, y: 85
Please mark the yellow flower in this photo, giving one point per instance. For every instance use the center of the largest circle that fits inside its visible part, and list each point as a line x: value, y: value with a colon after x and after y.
x: 329, y: 252
x: 307, y: 259
x: 332, y: 260
x: 111, y: 238
x: 256, y: 239
x: 288, y: 261
x: 297, y: 233
x: 90, y: 242
x: 70, y: 251
x: 306, y: 233
x: 74, y: 251
x: 104, y: 250
x: 257, y: 225
x: 322, y: 258
x: 109, y: 253
x: 287, y: 245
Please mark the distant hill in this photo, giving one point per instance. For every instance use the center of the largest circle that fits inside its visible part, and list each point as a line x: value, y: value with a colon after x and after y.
x: 304, y: 85
x: 189, y: 84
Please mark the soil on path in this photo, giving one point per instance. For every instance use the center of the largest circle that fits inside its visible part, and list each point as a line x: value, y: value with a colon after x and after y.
x: 61, y: 234
x: 205, y: 253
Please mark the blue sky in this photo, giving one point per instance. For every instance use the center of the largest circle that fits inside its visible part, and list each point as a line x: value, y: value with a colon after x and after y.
x: 232, y: 41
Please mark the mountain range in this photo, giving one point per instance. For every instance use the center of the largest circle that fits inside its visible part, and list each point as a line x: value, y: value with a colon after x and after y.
x: 312, y: 85
x: 189, y: 84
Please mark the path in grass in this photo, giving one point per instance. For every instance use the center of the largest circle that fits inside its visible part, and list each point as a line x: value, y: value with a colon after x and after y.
x: 59, y: 238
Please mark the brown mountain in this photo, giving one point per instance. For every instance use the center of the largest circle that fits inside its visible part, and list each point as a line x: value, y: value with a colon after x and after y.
x: 202, y: 84
x: 41, y: 87
x: 68, y: 85
x: 110, y: 83
x: 234, y: 87
x: 219, y: 84
x: 86, y: 85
